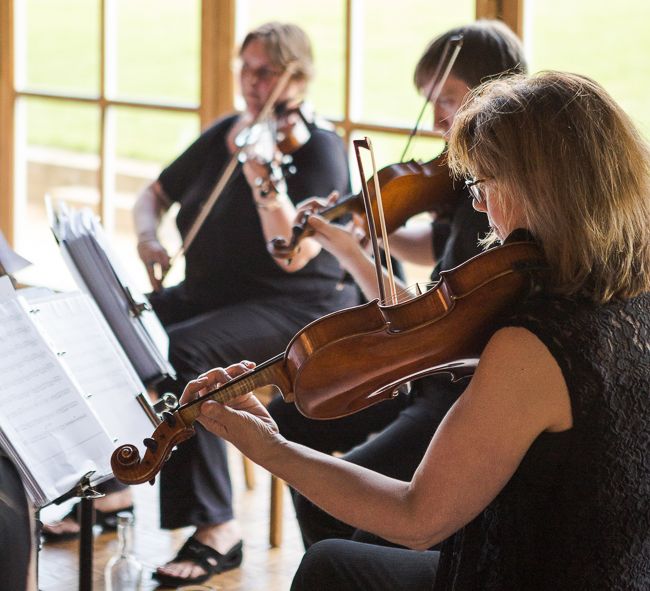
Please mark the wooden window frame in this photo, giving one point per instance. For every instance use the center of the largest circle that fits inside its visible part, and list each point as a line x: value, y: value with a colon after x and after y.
x: 216, y: 94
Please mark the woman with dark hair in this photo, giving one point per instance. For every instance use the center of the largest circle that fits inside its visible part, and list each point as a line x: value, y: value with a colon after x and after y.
x: 403, y: 427
x: 539, y: 475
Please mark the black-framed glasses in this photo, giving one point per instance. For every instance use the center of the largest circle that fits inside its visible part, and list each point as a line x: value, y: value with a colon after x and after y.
x: 475, y: 190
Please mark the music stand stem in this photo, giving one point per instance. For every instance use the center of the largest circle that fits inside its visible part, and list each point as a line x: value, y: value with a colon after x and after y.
x: 87, y: 495
x: 86, y: 544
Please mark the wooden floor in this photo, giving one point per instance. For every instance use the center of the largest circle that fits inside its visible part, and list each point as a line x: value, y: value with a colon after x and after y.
x: 263, y: 567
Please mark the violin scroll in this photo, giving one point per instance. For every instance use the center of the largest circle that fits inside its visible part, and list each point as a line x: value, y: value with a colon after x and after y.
x: 130, y: 468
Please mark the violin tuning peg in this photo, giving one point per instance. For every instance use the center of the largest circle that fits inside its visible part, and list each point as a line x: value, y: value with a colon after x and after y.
x: 151, y: 444
x: 169, y: 418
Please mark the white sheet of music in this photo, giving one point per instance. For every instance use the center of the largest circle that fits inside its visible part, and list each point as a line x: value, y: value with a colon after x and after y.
x: 50, y: 427
x: 75, y: 326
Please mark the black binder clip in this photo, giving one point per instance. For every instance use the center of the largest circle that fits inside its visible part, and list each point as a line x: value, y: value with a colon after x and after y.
x: 136, y: 308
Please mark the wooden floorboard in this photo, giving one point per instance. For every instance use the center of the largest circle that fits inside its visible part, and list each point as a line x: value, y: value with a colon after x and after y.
x: 263, y: 567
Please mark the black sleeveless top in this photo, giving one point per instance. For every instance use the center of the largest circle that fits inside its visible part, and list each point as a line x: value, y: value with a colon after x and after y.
x: 576, y: 513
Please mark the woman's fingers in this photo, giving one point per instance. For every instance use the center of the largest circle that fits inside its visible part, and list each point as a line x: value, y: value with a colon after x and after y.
x: 214, y: 378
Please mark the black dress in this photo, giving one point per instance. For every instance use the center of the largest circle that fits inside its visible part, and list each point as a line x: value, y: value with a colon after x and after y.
x: 576, y: 513
x: 15, y: 528
x: 236, y: 302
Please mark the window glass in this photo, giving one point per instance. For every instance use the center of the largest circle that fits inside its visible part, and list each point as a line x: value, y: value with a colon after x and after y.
x: 158, y: 48
x: 61, y: 164
x: 391, y: 38
x: 607, y: 41
x: 60, y: 42
x: 154, y: 136
x: 324, y: 23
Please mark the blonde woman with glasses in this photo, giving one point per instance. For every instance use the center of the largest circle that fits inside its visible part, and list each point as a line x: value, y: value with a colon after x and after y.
x: 539, y: 476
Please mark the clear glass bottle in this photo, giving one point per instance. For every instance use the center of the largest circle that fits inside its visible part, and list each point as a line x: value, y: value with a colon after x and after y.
x: 123, y: 572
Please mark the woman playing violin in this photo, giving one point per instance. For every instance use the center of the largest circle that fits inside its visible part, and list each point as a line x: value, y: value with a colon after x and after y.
x: 236, y: 300
x: 539, y: 475
x: 401, y: 432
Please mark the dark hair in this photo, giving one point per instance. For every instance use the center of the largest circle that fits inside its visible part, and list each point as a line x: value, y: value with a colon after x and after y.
x: 489, y: 49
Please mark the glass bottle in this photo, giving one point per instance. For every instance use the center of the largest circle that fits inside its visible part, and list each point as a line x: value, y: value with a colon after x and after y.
x: 123, y: 572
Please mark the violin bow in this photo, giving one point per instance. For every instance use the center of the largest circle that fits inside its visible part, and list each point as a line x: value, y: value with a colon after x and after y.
x: 230, y: 168
x: 372, y: 228
x: 443, y: 69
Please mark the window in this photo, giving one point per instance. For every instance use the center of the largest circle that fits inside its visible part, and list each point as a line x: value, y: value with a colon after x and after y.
x: 97, y: 95
x: 607, y: 41
x: 102, y: 101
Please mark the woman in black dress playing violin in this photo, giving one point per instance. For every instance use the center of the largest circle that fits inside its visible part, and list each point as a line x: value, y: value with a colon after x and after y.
x: 539, y: 476
x: 489, y: 49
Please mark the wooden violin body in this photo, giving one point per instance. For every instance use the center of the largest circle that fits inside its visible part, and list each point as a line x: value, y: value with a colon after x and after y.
x: 407, y: 189
x: 353, y: 358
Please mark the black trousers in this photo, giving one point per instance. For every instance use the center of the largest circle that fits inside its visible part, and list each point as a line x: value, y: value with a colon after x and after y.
x: 195, y: 486
x: 395, y: 451
x: 15, y: 528
x: 351, y: 566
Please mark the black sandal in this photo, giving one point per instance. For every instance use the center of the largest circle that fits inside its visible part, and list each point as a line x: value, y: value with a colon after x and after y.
x: 211, y: 561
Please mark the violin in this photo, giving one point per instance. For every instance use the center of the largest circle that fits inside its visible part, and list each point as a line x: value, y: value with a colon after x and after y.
x: 231, y: 166
x: 274, y: 139
x: 407, y: 188
x: 353, y: 358
x: 283, y: 131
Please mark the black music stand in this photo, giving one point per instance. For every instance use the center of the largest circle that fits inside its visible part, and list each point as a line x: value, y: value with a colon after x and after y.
x: 84, y: 491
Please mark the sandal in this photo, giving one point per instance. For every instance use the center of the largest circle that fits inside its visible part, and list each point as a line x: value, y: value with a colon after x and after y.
x: 106, y: 519
x: 211, y: 561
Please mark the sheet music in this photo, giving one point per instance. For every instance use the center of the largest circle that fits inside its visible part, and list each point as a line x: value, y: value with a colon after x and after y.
x: 52, y: 432
x: 94, y: 357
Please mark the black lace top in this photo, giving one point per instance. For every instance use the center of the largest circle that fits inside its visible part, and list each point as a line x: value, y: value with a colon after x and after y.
x: 576, y: 514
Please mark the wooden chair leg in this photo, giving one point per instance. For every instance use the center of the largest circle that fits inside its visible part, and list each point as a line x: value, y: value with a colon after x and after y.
x: 249, y: 473
x: 275, y: 530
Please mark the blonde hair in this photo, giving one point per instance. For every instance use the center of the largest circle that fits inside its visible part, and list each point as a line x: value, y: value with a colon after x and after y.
x: 559, y: 146
x: 285, y: 43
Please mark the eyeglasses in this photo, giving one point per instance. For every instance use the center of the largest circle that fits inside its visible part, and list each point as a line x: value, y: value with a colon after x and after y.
x: 474, y: 189
x: 262, y: 74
